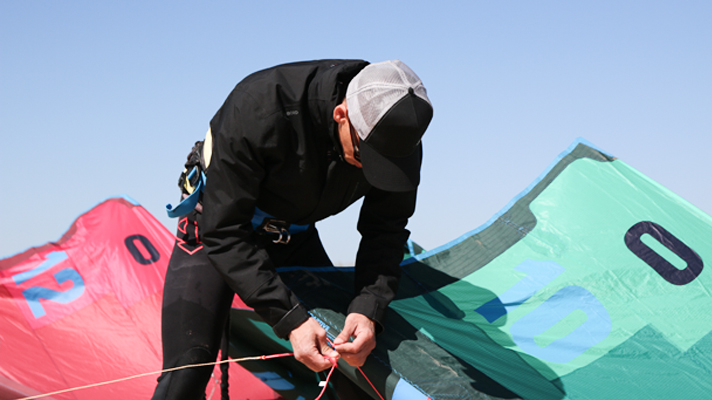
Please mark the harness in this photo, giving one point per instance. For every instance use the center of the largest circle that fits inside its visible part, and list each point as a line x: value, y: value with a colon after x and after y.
x: 192, y: 183
x: 263, y: 222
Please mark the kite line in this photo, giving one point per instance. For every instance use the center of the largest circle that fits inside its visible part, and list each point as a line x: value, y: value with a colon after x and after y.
x: 235, y: 360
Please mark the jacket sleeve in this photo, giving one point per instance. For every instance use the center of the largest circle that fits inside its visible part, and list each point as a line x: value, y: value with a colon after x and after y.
x: 232, y: 187
x: 382, y: 222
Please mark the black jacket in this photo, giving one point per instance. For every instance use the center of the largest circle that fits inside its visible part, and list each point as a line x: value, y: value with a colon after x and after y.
x: 275, y: 147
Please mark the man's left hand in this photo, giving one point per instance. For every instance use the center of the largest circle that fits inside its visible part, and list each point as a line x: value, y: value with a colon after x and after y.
x: 363, y: 329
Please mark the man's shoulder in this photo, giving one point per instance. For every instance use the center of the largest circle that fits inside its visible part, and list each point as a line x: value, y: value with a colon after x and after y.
x: 297, y: 72
x: 267, y: 92
x: 264, y: 102
x: 308, y: 65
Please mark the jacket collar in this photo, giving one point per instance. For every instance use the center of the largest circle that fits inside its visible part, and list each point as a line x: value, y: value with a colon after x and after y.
x: 326, y: 91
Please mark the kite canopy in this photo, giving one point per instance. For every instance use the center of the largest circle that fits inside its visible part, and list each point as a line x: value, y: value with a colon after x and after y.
x: 591, y: 284
x: 87, y: 309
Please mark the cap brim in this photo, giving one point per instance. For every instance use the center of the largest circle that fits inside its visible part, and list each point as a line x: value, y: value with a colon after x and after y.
x: 393, y: 174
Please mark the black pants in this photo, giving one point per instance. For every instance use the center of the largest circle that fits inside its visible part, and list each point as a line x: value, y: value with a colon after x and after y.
x: 196, y: 303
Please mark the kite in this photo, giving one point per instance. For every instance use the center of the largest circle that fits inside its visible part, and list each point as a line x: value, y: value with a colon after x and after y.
x: 591, y: 284
x: 87, y: 309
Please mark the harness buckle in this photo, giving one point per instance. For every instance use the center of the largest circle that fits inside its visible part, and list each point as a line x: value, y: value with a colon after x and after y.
x: 275, y: 227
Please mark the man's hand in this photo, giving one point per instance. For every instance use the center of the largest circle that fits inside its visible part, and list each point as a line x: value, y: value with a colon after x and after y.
x: 310, y: 346
x: 363, y: 329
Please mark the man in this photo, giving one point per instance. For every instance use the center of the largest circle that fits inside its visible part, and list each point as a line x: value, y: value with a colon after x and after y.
x: 290, y: 146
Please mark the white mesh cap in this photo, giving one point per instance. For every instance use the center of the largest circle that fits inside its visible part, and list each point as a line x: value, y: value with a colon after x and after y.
x: 374, y: 90
x: 389, y: 109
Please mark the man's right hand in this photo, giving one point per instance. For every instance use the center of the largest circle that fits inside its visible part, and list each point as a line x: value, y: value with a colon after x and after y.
x: 311, y: 347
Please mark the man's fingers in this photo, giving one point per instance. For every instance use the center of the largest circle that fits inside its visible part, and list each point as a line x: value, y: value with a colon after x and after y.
x: 359, y: 345
x: 316, y: 358
x: 341, y: 339
x: 311, y: 347
x: 346, y: 333
x: 362, y: 339
x: 328, y: 352
x: 356, y: 352
x: 345, y: 348
x: 362, y: 329
x: 314, y: 361
x: 352, y: 357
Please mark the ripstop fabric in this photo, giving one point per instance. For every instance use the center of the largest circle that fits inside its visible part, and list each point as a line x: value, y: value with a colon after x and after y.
x: 87, y: 309
x: 591, y: 284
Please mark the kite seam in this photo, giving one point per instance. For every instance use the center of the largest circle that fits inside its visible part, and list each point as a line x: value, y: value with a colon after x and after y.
x: 521, y: 230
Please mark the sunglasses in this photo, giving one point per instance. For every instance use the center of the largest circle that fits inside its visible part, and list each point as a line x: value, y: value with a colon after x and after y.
x: 355, y: 143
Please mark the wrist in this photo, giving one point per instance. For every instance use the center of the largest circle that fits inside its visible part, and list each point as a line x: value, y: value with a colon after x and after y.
x: 290, y: 321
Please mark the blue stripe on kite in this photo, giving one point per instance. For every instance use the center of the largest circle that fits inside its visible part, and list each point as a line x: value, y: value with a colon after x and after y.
x: 130, y: 200
x: 406, y: 391
x: 593, y: 330
x: 274, y: 381
x: 34, y: 294
x: 411, y: 250
x: 52, y: 259
x: 538, y: 275
x: 506, y: 208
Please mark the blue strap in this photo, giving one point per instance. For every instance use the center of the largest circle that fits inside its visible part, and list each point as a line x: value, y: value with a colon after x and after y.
x: 260, y: 216
x: 188, y: 204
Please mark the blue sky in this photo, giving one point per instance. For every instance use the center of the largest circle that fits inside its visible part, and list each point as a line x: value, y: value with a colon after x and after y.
x: 99, y: 99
